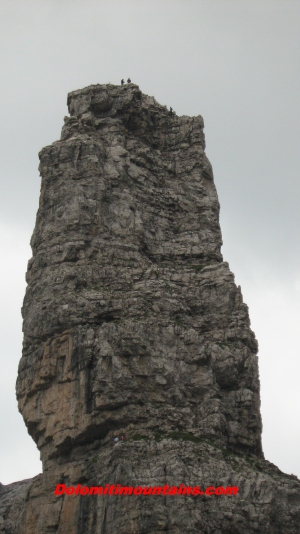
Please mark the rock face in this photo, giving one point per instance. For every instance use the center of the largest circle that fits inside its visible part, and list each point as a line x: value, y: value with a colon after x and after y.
x: 132, y: 322
x: 133, y: 325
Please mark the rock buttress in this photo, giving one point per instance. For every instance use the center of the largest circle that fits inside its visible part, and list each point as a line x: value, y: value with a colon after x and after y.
x: 133, y: 324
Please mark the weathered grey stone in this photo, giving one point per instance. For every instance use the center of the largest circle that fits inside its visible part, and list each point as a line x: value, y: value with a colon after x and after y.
x: 133, y: 324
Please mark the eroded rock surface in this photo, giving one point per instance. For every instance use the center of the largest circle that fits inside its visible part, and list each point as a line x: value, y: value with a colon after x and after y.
x: 133, y: 324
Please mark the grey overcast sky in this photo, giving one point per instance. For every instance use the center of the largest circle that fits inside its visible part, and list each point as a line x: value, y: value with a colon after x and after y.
x: 235, y: 62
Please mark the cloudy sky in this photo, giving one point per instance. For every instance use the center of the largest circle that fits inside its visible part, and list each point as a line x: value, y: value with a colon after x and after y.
x: 236, y: 62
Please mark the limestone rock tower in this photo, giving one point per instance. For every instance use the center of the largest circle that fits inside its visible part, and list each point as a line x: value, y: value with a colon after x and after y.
x: 133, y: 325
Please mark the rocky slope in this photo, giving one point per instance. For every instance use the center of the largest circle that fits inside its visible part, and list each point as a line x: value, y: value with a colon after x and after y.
x: 133, y: 324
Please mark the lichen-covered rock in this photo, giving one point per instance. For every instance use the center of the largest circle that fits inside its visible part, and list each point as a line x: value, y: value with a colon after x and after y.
x: 133, y: 324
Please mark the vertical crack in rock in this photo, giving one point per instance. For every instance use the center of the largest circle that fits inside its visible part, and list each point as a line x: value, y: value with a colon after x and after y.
x: 133, y: 325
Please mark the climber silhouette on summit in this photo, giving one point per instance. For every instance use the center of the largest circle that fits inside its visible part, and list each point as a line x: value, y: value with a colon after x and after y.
x: 129, y: 80
x: 122, y: 82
